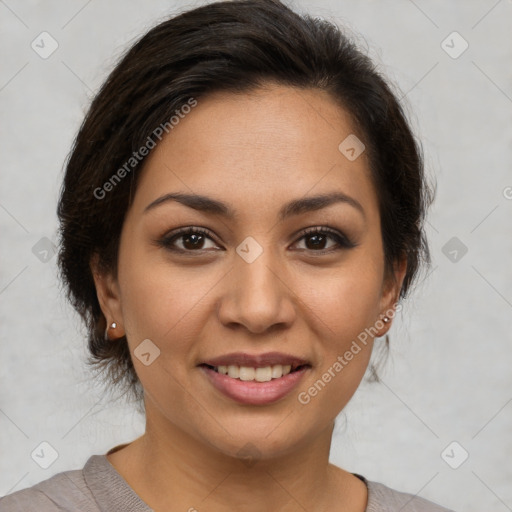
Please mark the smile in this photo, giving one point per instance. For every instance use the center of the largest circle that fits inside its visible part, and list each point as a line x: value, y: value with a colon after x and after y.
x: 255, y: 379
x: 261, y: 374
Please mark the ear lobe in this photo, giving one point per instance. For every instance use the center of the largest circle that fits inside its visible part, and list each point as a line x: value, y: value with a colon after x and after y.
x: 107, y: 291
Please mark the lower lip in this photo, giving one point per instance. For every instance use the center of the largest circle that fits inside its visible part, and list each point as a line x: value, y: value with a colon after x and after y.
x: 252, y: 392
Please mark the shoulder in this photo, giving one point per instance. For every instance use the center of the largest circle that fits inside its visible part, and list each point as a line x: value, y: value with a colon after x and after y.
x: 64, y: 491
x: 384, y: 499
x: 97, y: 487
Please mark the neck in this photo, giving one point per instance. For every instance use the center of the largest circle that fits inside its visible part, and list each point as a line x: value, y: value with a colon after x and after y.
x: 171, y: 470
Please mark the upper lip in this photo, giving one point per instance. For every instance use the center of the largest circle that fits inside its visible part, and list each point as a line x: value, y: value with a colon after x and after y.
x: 256, y: 360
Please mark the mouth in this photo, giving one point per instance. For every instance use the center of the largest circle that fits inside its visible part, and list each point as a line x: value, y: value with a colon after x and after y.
x: 255, y: 380
x: 257, y: 374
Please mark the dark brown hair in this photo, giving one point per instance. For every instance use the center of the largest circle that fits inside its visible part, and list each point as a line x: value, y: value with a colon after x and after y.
x: 231, y: 46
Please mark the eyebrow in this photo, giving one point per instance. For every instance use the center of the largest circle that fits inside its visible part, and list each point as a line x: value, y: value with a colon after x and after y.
x: 296, y: 207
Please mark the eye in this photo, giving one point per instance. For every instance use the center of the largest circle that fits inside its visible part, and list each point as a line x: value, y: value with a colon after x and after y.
x: 192, y: 239
x: 316, y: 238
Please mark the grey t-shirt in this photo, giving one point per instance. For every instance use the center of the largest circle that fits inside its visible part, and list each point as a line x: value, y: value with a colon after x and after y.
x: 98, y: 487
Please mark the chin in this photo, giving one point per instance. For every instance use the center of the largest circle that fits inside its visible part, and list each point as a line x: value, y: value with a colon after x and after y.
x: 262, y: 439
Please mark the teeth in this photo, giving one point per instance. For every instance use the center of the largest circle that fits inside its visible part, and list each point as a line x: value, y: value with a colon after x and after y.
x: 263, y: 374
x: 234, y: 371
x: 247, y: 373
x: 277, y: 371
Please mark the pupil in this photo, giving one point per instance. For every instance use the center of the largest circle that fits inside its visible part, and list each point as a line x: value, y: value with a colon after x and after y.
x: 317, y: 243
x: 197, y: 240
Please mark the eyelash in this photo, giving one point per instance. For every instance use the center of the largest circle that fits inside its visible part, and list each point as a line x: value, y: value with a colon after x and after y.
x: 342, y: 241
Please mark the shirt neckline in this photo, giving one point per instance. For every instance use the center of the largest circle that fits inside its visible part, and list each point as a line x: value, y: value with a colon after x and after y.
x: 101, y: 477
x: 110, y: 490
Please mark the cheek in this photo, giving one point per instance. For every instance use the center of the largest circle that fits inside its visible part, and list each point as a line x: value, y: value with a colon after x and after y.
x: 347, y: 307
x: 345, y: 299
x: 346, y: 302
x: 162, y: 302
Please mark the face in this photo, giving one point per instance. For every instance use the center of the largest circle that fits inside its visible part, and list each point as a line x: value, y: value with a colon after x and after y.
x: 264, y: 277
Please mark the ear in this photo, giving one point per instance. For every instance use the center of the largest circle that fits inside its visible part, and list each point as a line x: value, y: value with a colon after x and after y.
x: 391, y: 292
x: 107, y: 291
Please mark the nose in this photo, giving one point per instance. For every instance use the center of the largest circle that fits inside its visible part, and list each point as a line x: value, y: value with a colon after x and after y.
x: 257, y: 296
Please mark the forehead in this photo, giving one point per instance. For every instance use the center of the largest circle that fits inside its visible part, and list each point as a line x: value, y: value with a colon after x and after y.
x: 271, y: 144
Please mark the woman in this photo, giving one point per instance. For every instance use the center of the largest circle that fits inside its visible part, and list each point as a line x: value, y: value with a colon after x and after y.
x: 241, y: 213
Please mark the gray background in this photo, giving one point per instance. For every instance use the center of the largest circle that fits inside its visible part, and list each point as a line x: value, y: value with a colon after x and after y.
x: 448, y: 378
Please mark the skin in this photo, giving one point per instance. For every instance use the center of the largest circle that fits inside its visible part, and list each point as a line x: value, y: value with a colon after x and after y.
x: 254, y: 151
